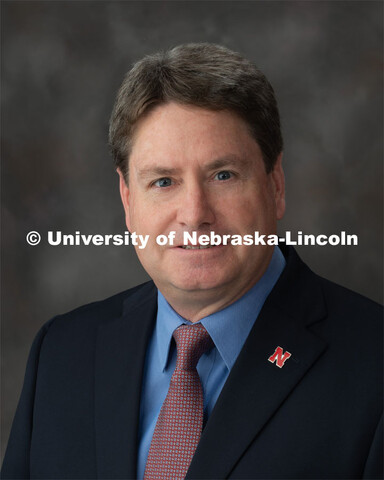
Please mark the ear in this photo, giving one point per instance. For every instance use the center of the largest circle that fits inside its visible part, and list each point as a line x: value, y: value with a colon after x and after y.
x: 124, y: 194
x: 278, y: 181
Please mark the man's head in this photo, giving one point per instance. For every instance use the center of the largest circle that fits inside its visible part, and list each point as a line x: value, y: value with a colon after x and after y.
x: 202, y: 75
x: 199, y: 167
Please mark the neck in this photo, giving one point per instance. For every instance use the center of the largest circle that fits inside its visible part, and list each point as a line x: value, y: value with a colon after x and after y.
x: 195, y: 305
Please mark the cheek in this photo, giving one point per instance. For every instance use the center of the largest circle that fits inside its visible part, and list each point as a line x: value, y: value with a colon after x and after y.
x: 137, y: 212
x: 147, y: 218
x: 249, y: 206
x: 256, y: 213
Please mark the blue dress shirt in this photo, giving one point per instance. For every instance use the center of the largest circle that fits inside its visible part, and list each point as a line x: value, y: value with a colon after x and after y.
x: 228, y: 328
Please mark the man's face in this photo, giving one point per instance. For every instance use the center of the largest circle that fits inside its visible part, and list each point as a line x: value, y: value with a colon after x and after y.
x: 199, y: 170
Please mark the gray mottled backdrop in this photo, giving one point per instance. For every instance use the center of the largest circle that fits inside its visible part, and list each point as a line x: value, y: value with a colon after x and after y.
x: 61, y: 66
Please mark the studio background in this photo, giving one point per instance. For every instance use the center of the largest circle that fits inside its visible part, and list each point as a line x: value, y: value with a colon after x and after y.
x: 62, y: 63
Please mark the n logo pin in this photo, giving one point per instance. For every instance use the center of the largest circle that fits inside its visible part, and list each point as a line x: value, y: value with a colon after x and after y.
x: 279, y: 357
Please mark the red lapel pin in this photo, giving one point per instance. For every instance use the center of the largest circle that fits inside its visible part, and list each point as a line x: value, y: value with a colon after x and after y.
x: 279, y: 357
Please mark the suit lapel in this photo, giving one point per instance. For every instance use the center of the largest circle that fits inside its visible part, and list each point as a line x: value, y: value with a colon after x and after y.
x: 119, y: 362
x: 256, y: 388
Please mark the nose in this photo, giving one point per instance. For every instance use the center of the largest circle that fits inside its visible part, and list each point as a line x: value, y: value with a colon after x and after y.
x: 195, y: 210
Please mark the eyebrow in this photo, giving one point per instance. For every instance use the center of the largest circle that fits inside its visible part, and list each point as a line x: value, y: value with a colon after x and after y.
x: 227, y: 161
x: 157, y: 172
x: 221, y: 162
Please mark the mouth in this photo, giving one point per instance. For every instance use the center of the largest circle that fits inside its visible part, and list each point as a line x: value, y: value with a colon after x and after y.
x: 197, y: 247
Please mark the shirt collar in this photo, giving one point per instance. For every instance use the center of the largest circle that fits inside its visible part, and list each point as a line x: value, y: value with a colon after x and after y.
x: 228, y: 328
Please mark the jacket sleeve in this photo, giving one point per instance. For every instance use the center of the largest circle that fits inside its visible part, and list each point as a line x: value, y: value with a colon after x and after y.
x: 374, y: 465
x: 16, y: 459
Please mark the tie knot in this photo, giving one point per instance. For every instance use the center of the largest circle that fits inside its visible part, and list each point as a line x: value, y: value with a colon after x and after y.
x: 191, y: 341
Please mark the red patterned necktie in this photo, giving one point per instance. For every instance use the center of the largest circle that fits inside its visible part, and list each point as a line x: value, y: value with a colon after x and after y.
x: 180, y: 421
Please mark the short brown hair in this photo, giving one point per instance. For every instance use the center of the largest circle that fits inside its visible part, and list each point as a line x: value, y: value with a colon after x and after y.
x: 200, y: 74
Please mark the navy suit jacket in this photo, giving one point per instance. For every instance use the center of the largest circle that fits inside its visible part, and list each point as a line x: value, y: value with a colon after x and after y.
x: 316, y: 417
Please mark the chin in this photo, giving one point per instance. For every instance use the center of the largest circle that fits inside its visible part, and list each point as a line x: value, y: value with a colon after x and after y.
x: 199, y: 283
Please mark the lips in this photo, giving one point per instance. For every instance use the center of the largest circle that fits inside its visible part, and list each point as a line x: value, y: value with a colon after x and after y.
x: 197, y: 247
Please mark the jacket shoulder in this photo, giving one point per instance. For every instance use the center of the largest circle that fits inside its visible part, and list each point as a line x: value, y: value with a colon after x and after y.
x: 334, y: 311
x: 351, y: 304
x: 353, y: 328
x: 91, y: 315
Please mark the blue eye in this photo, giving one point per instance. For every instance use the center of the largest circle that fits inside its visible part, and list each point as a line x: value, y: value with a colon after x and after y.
x: 224, y: 175
x: 163, y: 182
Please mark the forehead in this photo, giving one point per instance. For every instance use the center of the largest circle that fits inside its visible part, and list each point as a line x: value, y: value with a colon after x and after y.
x: 182, y: 133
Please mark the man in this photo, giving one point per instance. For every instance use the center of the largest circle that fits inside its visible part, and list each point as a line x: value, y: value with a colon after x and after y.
x: 237, y: 361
